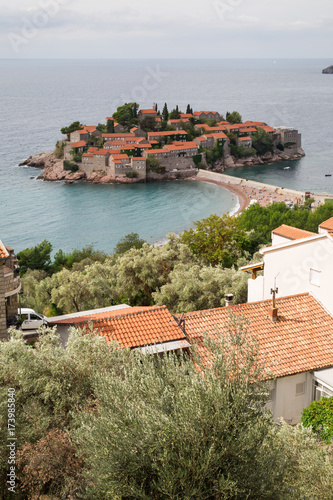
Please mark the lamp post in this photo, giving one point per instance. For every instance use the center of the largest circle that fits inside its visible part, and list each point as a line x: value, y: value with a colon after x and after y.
x: 19, y: 294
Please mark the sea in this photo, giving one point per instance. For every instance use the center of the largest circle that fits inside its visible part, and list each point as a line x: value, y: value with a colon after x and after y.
x: 39, y: 97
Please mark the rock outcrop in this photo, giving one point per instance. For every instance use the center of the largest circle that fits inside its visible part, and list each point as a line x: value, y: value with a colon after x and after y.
x: 328, y: 71
x: 268, y: 158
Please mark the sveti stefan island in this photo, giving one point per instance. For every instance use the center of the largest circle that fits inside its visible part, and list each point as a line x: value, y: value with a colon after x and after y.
x: 166, y: 243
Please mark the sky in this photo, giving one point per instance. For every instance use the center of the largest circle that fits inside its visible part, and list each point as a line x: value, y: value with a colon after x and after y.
x: 169, y: 29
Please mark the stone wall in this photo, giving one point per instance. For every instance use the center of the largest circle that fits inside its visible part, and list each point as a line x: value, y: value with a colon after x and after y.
x: 179, y: 163
x: 180, y: 174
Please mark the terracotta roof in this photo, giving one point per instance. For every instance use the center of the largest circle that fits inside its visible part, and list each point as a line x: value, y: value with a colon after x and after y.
x: 135, y: 327
x: 138, y: 158
x: 299, y: 341
x: 148, y: 111
x: 102, y: 152
x: 116, y: 134
x: 186, y: 115
x: 120, y: 157
x: 235, y: 126
x: 3, y: 251
x: 253, y: 124
x: 80, y: 144
x: 181, y: 145
x: 220, y: 135
x: 178, y: 120
x: 327, y: 224
x: 101, y: 315
x: 267, y: 128
x: 246, y: 130
x: 248, y: 138
x: 134, y: 129
x: 154, y: 151
x: 167, y: 133
x: 90, y: 128
x: 197, y: 113
x: 88, y: 155
x: 92, y: 150
x: 292, y: 233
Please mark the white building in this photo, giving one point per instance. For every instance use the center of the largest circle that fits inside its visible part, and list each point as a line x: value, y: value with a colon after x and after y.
x: 297, y: 262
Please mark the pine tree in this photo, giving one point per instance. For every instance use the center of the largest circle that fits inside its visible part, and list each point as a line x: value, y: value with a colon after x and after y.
x: 165, y: 113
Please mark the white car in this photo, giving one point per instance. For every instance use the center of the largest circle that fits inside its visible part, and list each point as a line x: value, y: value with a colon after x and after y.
x: 31, y: 319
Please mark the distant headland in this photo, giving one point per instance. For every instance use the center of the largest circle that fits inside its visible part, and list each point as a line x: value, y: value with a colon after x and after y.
x: 328, y: 71
x: 142, y: 145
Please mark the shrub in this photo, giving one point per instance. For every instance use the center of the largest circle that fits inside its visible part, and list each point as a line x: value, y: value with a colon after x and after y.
x: 319, y: 416
x: 197, y: 159
x: 132, y: 175
x: 59, y: 150
x: 70, y: 166
x: 280, y: 146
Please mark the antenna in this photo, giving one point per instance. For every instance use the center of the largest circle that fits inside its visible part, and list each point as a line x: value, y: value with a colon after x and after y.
x: 274, y: 291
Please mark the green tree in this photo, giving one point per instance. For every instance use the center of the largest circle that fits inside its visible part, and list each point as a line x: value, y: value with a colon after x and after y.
x: 168, y: 430
x: 129, y: 241
x: 38, y: 257
x: 234, y: 117
x: 262, y: 142
x: 196, y: 287
x: 148, y: 124
x: 165, y: 113
x: 71, y: 128
x: 110, y: 127
x: 174, y: 114
x: 319, y: 416
x: 189, y: 110
x: 126, y: 114
x: 217, y: 240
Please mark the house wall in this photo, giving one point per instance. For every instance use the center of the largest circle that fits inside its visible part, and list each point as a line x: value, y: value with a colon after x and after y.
x: 277, y: 239
x: 299, y: 268
x: 290, y: 395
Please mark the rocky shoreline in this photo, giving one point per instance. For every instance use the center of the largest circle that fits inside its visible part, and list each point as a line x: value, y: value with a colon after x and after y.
x: 53, y: 167
x: 266, y: 159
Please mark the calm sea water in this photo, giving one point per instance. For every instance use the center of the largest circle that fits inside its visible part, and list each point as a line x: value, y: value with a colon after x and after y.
x: 39, y: 97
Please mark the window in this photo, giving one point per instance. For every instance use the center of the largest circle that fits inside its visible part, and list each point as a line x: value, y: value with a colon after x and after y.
x: 300, y: 388
x: 315, y: 277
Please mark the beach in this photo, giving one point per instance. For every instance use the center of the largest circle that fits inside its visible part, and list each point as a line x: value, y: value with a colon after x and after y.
x: 249, y: 192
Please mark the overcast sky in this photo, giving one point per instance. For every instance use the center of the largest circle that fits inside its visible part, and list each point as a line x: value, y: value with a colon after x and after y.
x: 168, y: 29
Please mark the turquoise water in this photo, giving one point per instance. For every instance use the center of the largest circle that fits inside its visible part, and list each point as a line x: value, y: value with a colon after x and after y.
x: 38, y: 97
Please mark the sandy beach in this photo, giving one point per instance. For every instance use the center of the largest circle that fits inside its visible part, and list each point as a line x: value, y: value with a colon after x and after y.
x: 246, y: 193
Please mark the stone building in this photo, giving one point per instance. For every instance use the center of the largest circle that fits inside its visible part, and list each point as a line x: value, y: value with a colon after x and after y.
x: 9, y: 287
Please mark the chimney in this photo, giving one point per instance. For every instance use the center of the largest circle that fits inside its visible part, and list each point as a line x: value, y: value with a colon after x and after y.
x: 273, y: 314
x: 229, y: 300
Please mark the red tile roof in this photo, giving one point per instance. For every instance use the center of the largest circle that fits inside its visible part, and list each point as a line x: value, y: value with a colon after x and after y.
x: 148, y: 111
x: 246, y: 130
x: 267, y: 128
x: 292, y: 233
x: 134, y: 327
x: 80, y: 144
x: 166, y: 133
x: 327, y: 224
x: 120, y: 157
x: 116, y: 134
x: 90, y: 128
x: 220, y: 135
x: 299, y: 341
x: 3, y: 251
x: 248, y: 138
x: 181, y: 146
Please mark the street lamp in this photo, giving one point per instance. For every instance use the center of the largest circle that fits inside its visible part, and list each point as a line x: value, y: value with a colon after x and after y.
x: 19, y: 294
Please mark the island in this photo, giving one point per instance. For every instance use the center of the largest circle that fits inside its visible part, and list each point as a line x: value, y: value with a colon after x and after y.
x: 328, y: 71
x: 142, y: 145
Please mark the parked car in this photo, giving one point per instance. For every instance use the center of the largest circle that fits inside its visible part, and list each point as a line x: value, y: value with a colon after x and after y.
x: 31, y: 319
